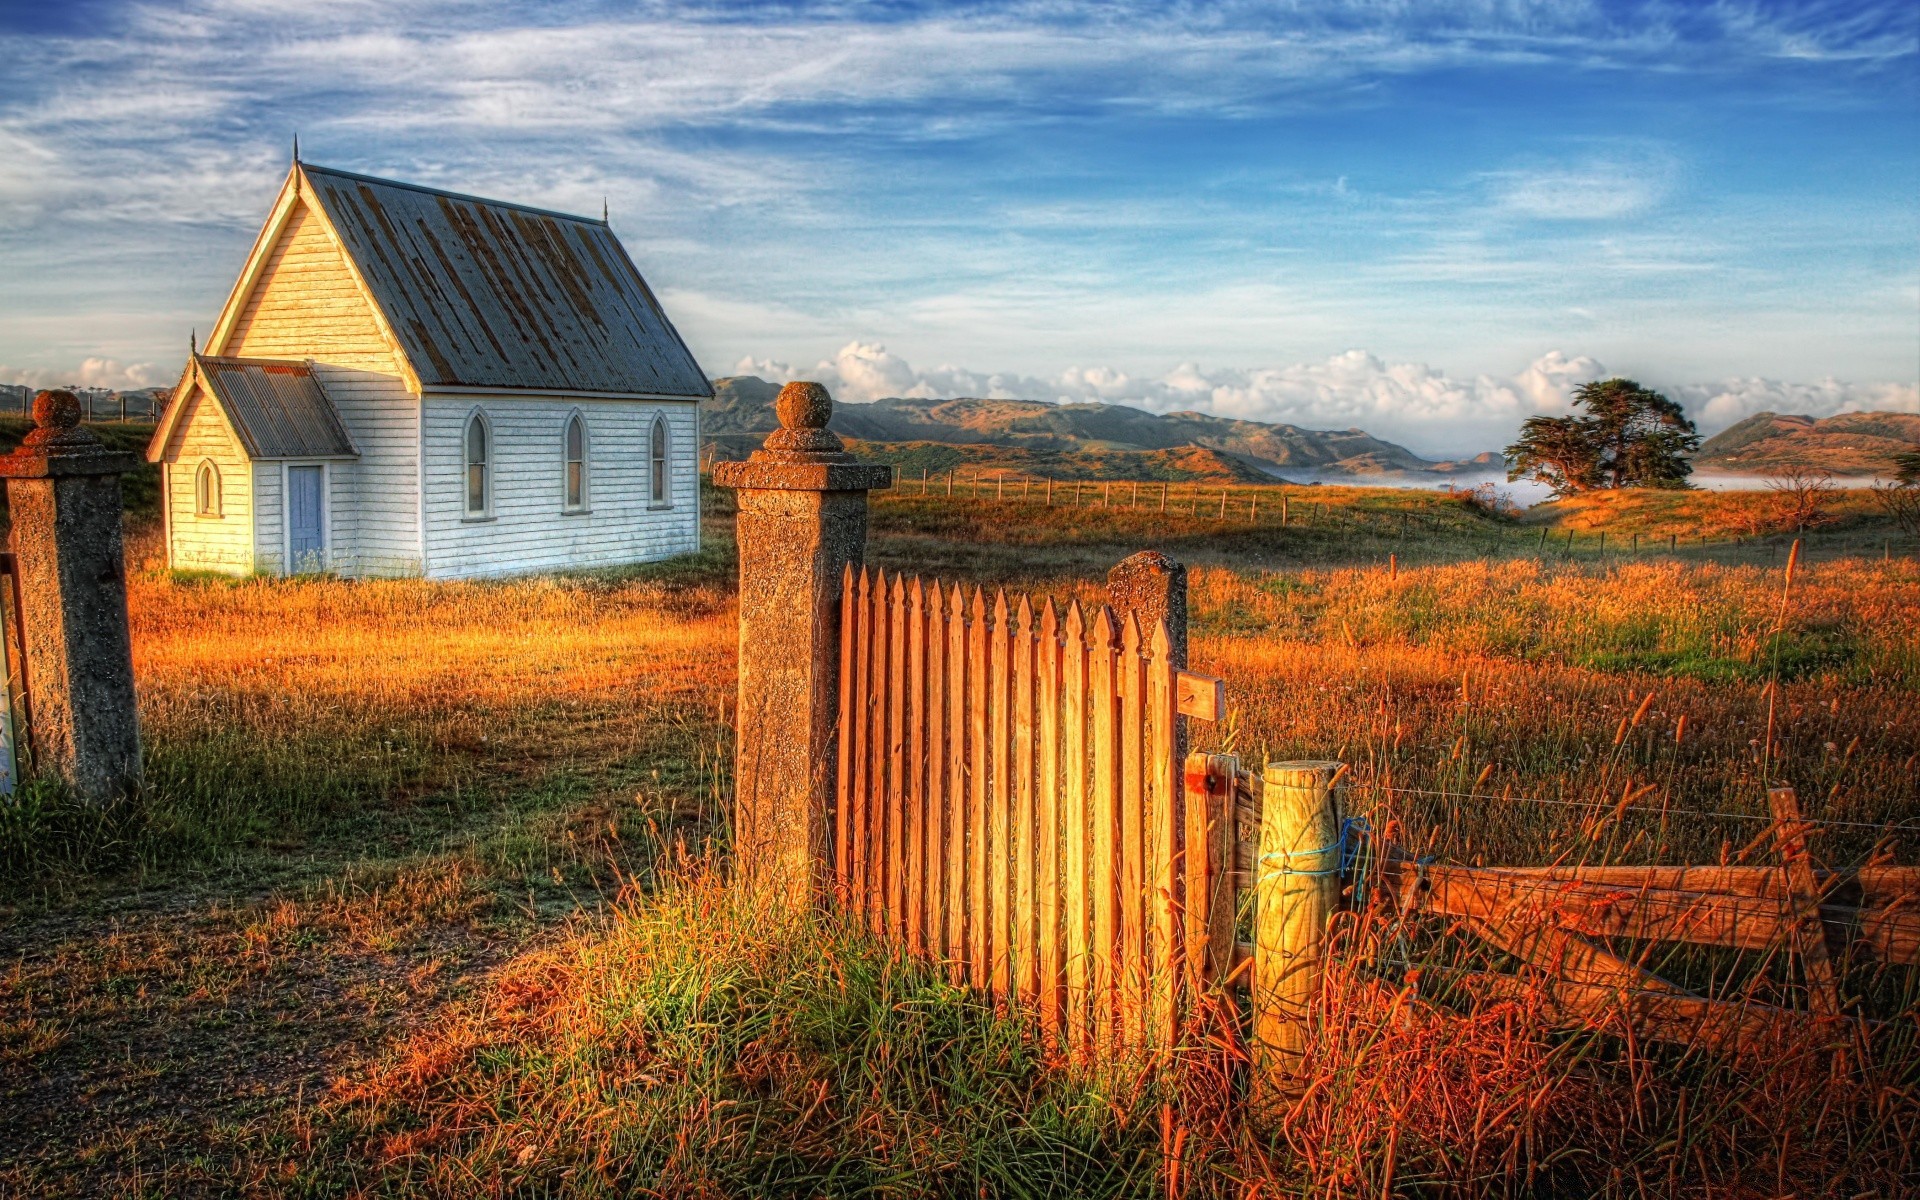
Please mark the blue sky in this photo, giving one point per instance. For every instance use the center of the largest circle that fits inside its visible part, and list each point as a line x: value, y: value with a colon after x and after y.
x: 1428, y: 220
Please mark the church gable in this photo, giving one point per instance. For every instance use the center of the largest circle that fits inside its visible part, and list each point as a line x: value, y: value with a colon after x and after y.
x: 305, y: 303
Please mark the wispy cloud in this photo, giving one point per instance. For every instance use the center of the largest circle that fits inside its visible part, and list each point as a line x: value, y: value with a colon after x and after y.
x: 1034, y: 182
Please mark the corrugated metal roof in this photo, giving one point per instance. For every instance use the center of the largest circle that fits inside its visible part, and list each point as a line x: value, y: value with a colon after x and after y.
x: 278, y: 408
x: 487, y: 294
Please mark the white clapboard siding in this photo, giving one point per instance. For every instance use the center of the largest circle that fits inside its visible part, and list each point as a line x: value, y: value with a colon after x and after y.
x: 376, y: 525
x: 305, y: 303
x: 528, y: 530
x: 196, y: 543
x: 269, y: 516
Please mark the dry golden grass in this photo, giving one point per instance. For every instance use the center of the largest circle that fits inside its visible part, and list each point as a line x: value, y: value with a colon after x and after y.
x: 365, y: 943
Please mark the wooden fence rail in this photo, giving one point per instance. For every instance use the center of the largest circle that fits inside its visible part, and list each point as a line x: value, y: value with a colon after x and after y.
x: 1008, y: 803
x: 1559, y: 922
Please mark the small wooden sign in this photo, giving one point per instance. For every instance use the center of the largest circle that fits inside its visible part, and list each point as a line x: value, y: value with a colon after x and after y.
x: 1203, y: 697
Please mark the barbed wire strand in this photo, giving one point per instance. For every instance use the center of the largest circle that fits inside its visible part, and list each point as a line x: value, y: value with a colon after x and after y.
x: 1882, y: 826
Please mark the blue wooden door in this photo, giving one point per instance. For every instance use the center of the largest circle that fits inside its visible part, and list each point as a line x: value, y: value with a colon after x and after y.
x: 306, y: 519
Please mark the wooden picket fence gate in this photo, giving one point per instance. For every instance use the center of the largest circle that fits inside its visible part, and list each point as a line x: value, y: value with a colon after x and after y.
x: 1009, y: 804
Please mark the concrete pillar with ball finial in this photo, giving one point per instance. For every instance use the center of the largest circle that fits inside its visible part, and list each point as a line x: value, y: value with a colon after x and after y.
x: 63, y: 491
x: 802, y: 521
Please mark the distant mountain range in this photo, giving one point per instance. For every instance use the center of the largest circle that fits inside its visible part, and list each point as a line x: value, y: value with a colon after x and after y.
x: 1849, y: 444
x: 1075, y: 440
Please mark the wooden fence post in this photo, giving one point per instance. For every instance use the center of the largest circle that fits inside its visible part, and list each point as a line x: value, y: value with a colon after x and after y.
x: 1297, y: 890
x: 802, y: 526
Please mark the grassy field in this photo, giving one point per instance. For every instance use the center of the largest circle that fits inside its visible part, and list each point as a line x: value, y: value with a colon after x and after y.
x: 425, y: 899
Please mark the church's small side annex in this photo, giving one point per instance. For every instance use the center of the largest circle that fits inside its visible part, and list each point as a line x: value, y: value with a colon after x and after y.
x: 408, y: 381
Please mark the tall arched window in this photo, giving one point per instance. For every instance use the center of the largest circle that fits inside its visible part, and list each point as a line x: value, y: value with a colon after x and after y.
x: 657, y: 477
x: 576, y: 455
x: 206, y: 490
x: 479, y: 465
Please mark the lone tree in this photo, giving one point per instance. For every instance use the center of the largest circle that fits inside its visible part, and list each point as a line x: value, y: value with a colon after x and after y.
x: 1629, y: 436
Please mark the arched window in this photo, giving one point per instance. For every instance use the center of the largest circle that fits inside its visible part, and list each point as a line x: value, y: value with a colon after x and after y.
x: 576, y: 455
x: 479, y: 465
x: 657, y: 478
x: 206, y: 490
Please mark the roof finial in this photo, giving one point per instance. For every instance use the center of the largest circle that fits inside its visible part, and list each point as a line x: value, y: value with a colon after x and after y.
x: 296, y: 147
x: 603, y: 210
x: 193, y: 341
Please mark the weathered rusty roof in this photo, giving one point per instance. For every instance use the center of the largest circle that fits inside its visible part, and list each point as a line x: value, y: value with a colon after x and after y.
x: 278, y: 408
x: 487, y: 294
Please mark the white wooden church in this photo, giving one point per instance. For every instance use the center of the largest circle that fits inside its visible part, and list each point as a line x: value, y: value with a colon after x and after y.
x: 407, y: 381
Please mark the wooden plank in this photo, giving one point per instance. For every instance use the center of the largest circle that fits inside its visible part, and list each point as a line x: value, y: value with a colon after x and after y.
x: 1131, y: 961
x: 896, y: 877
x: 877, y: 735
x: 1567, y: 956
x: 862, y: 760
x: 979, y: 913
x: 1727, y: 1026
x: 1000, y: 802
x: 1889, y: 935
x: 1202, y: 697
x: 1877, y: 885
x: 936, y: 802
x: 1209, y: 915
x: 916, y: 764
x: 1167, y: 859
x: 1048, y: 821
x: 1078, y: 915
x: 1026, y: 939
x: 1803, y: 897
x: 1626, y: 909
x: 843, y: 741
x: 957, y: 832
x: 1104, y: 822
x: 1742, y: 922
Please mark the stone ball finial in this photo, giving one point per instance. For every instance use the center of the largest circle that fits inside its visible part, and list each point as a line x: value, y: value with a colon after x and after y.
x: 803, y: 405
x: 58, y: 410
x: 57, y: 414
x: 804, y: 409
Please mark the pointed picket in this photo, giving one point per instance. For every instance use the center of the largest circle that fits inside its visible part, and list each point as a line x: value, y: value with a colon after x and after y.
x: 959, y: 679
x: 936, y: 797
x: 1168, y: 844
x: 894, y: 896
x: 1049, y: 820
x: 1105, y: 822
x: 915, y: 811
x: 1130, y: 870
x: 980, y: 917
x: 862, y: 704
x: 999, y: 806
x: 1025, y: 941
x: 843, y: 790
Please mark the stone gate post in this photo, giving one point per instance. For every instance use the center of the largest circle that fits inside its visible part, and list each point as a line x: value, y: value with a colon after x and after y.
x: 63, y: 491
x: 1153, y: 587
x: 802, y: 520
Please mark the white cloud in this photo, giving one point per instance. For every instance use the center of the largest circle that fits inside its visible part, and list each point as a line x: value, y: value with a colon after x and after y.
x: 90, y: 373
x: 1593, y: 194
x: 1718, y: 405
x: 1426, y: 409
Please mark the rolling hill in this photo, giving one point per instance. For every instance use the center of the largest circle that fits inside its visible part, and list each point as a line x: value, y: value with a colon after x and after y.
x: 1074, y: 440
x: 1849, y: 444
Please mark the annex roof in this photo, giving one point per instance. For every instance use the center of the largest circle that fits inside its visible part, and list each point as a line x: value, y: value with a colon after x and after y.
x: 277, y: 409
x: 484, y: 293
